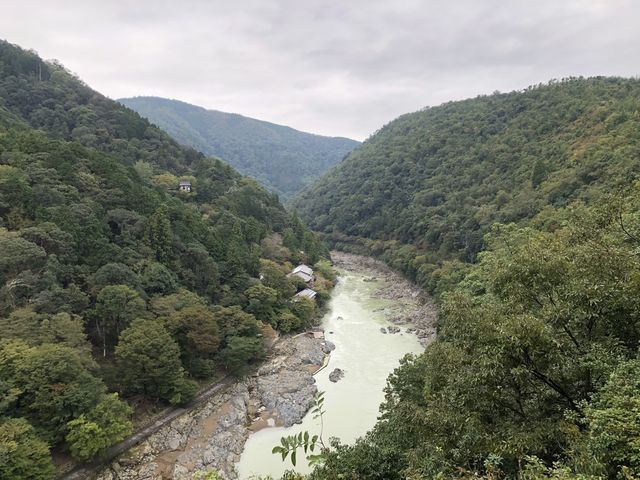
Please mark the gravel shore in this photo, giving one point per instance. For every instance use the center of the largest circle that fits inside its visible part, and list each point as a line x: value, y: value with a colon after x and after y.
x: 412, y: 307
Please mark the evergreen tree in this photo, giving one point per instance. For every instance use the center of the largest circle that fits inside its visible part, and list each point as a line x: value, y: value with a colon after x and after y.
x: 158, y: 234
x: 149, y: 361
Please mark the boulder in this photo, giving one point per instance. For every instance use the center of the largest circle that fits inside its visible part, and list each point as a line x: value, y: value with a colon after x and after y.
x: 328, y: 347
x: 336, y: 375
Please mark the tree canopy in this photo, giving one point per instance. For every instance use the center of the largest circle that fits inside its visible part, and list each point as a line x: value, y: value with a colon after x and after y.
x: 111, y: 278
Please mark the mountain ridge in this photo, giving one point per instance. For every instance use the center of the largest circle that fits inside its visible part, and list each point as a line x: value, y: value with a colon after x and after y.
x: 281, y: 157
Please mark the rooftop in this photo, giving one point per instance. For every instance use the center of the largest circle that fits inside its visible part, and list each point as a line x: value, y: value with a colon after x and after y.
x: 304, y: 269
x: 306, y: 293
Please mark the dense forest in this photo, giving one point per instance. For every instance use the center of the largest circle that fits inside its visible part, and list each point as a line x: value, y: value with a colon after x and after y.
x: 281, y: 158
x: 521, y: 212
x: 117, y: 290
x: 424, y: 190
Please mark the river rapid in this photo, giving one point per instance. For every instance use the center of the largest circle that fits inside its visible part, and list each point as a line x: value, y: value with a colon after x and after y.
x: 353, y: 322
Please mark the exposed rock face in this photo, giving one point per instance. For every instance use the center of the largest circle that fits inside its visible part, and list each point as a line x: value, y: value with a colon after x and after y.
x: 287, y: 394
x: 213, y: 435
x: 413, y: 305
x: 383, y: 330
x: 393, y: 329
x: 208, y: 437
x: 337, y: 374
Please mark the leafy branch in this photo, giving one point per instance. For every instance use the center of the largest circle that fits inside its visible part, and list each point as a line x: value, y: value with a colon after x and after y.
x: 289, y: 445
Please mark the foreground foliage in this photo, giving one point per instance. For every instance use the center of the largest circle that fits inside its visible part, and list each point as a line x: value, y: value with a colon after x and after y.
x: 535, y: 371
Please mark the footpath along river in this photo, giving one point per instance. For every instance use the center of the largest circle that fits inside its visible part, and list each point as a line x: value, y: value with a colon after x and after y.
x: 353, y: 323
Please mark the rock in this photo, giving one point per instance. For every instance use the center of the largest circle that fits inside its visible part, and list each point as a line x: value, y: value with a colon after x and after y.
x: 328, y: 347
x: 383, y: 330
x: 336, y: 375
x: 410, y: 330
x: 392, y: 329
x: 339, y: 318
x: 288, y: 394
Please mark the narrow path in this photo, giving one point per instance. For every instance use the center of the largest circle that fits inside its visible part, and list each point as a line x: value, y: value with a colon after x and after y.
x: 85, y: 470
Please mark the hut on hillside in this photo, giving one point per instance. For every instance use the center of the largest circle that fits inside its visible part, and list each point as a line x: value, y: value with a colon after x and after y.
x: 303, y: 272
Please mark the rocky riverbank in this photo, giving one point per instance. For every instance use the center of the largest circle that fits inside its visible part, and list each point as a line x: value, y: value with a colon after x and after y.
x: 411, y: 305
x: 212, y: 435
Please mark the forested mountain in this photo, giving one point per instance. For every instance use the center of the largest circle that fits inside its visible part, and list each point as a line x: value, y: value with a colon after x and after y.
x: 281, y: 158
x: 112, y: 280
x: 521, y: 211
x: 430, y: 184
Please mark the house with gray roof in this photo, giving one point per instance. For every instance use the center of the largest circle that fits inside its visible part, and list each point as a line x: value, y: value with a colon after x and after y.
x: 303, y: 272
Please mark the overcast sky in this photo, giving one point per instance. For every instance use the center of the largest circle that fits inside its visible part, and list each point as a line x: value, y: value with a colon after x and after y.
x: 343, y: 67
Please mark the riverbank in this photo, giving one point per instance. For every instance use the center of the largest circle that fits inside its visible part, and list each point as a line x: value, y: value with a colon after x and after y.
x: 212, y: 435
x: 411, y: 305
x: 363, y: 302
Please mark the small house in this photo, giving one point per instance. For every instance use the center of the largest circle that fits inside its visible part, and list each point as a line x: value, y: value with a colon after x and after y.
x: 306, y: 293
x: 304, y: 272
x: 185, y: 186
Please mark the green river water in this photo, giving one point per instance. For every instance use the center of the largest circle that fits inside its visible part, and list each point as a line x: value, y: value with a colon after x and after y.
x: 367, y: 356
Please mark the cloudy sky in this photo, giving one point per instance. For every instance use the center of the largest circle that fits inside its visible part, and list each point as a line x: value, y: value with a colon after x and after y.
x: 334, y: 67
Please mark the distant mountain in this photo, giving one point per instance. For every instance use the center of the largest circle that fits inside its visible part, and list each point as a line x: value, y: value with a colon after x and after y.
x: 281, y: 158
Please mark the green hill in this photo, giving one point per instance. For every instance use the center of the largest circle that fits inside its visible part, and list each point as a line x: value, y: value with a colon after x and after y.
x: 430, y: 184
x: 281, y: 158
x: 114, y: 280
x: 522, y: 212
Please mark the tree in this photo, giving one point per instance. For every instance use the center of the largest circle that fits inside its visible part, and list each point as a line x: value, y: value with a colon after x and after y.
x: 239, y: 352
x: 116, y: 307
x: 196, y: 331
x: 17, y: 255
x: 36, y: 329
x: 288, y: 322
x: 234, y: 322
x: 113, y: 274
x: 92, y: 433
x: 156, y: 279
x: 158, y: 234
x: 167, y: 305
x: 149, y: 362
x: 304, y: 309
x: 274, y: 277
x: 609, y: 441
x: 23, y: 456
x: 262, y: 301
x: 198, y: 270
x: 55, y: 384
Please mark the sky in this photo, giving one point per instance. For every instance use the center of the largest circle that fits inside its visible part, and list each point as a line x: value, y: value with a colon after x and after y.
x: 339, y: 68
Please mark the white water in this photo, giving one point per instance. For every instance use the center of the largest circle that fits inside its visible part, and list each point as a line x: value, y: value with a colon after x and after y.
x: 367, y: 356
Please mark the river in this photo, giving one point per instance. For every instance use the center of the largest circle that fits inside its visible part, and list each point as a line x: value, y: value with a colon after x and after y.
x: 367, y: 356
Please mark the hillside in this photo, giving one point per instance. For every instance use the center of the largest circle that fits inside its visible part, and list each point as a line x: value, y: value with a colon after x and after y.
x: 522, y: 212
x: 114, y: 284
x: 282, y: 159
x: 429, y: 185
